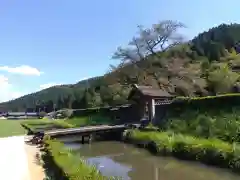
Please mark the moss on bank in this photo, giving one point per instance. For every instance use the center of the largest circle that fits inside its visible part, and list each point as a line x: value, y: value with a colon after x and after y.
x: 61, y: 164
x: 209, y: 151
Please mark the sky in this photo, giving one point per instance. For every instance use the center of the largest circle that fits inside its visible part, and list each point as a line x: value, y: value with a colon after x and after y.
x: 51, y: 42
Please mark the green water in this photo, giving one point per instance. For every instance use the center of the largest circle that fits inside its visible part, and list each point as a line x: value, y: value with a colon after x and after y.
x: 130, y: 163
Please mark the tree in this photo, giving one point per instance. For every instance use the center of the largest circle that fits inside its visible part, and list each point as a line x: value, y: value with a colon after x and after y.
x: 160, y: 37
x: 222, y: 79
x: 146, y: 53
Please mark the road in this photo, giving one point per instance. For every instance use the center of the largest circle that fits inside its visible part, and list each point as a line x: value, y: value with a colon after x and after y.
x: 17, y: 160
x: 13, y: 159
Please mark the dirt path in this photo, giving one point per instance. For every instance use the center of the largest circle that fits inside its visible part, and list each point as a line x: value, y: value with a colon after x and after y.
x: 13, y: 159
x: 36, y: 171
x: 18, y: 160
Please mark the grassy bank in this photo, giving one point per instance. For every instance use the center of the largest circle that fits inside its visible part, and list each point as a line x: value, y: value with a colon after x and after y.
x: 224, y: 125
x: 47, y: 124
x: 11, y: 128
x: 206, y: 117
x: 60, y: 163
x: 209, y: 151
x: 36, y: 125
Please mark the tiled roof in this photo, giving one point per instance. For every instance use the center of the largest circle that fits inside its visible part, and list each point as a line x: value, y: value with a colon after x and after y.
x: 150, y: 91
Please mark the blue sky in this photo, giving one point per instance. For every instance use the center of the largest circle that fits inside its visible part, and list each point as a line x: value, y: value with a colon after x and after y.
x: 56, y: 42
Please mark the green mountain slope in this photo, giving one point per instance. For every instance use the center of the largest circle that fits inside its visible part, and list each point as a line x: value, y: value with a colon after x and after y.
x: 200, y: 67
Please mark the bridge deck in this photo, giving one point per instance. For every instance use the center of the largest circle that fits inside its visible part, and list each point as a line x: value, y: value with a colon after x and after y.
x: 83, y: 129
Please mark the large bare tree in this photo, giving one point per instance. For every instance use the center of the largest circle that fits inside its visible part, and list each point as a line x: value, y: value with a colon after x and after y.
x: 144, y: 55
x: 150, y: 41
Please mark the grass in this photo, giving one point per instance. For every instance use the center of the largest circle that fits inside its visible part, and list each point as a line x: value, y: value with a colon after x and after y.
x: 224, y: 125
x: 63, y: 164
x: 209, y: 151
x: 11, y: 128
x: 36, y: 125
x: 47, y: 124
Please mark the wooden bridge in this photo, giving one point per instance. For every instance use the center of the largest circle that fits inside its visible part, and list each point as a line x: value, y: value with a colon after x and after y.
x: 81, y: 133
x: 84, y: 130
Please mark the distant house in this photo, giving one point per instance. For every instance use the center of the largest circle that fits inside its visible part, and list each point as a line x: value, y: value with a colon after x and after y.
x: 31, y: 114
x: 16, y: 114
x: 152, y: 102
x: 21, y: 115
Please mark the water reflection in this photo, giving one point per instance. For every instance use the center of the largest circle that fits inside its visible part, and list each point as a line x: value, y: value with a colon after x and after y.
x: 73, y: 146
x: 130, y: 163
x: 109, y: 167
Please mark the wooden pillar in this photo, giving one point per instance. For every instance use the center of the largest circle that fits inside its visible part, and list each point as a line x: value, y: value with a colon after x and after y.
x: 151, y: 109
x: 156, y: 173
x: 90, y: 137
x: 83, y: 139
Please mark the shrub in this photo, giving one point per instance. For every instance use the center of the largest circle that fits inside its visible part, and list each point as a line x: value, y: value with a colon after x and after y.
x: 88, y: 120
x: 213, y: 116
x: 209, y: 151
x: 207, y: 103
x: 67, y: 113
x: 42, y: 113
x: 223, y: 125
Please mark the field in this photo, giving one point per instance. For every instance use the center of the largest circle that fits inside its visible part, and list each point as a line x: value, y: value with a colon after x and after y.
x: 11, y: 128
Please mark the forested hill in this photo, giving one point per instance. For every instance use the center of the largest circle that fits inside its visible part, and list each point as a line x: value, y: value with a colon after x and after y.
x: 207, y: 65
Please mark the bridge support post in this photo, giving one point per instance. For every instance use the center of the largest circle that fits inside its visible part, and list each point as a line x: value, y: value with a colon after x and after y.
x: 83, y: 139
x: 90, y: 137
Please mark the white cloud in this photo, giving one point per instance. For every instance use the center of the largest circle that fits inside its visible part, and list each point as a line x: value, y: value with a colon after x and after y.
x: 23, y: 69
x: 7, y: 91
x: 48, y: 85
x: 4, y: 81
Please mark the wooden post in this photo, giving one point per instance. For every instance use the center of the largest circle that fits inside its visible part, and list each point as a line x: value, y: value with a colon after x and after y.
x: 82, y: 139
x: 90, y: 138
x: 156, y: 173
x: 153, y: 109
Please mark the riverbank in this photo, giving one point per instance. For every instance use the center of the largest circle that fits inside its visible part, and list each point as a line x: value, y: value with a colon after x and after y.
x: 60, y: 163
x: 35, y: 125
x: 132, y: 163
x: 208, y: 151
x: 35, y: 164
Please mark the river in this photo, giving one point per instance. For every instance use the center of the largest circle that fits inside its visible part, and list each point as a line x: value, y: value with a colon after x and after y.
x: 131, y: 163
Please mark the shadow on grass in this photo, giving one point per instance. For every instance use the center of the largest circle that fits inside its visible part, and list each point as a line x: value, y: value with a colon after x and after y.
x: 52, y: 172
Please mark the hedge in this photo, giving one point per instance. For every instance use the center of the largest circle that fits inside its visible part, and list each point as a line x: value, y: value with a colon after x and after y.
x: 225, y: 101
x: 209, y: 151
x: 62, y: 164
x: 211, y: 116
